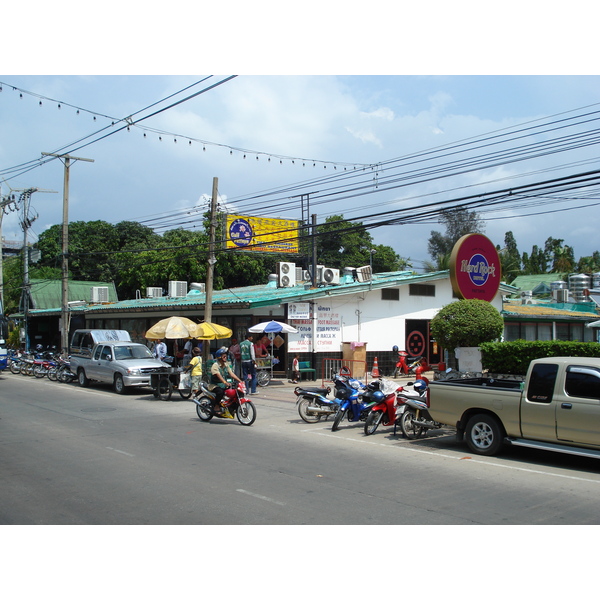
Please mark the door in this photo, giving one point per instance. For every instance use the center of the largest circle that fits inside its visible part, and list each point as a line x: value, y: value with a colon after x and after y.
x: 538, y: 411
x: 578, y: 406
x: 419, y: 342
x: 102, y: 364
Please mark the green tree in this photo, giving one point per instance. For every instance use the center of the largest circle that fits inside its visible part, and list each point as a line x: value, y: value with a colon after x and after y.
x: 510, y: 258
x: 466, y: 323
x: 458, y: 222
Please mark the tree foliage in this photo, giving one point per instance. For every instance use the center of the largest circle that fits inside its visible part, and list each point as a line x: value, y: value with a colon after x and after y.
x: 466, y: 323
x: 458, y: 222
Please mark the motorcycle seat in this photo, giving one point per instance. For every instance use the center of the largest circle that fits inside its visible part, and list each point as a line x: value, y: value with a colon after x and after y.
x: 314, y: 390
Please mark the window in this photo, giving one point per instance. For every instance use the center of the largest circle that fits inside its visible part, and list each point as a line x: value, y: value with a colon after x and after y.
x: 541, y: 383
x: 390, y: 294
x: 421, y: 289
x: 583, y: 382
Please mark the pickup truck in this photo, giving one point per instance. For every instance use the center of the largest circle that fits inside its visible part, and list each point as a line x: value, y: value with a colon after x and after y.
x: 120, y: 363
x: 556, y: 408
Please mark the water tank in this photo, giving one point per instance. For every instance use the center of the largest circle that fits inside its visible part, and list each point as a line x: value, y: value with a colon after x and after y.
x: 596, y: 280
x: 577, y: 285
x: 558, y: 285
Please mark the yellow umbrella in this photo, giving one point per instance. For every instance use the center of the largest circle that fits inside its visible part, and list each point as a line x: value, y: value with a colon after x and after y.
x: 172, y: 328
x: 212, y: 331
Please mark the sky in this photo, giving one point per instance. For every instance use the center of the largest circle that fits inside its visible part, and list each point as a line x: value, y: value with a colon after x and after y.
x: 283, y: 113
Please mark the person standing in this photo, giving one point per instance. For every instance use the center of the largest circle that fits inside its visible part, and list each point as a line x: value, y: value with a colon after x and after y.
x: 296, y: 369
x: 248, y: 363
x: 195, y: 366
x: 187, y: 353
x: 236, y: 357
x: 160, y: 350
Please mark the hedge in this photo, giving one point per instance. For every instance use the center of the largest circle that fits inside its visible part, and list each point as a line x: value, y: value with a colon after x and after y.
x: 513, y: 358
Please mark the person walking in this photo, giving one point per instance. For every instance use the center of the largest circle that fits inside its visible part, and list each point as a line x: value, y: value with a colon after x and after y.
x: 248, y: 363
x: 296, y: 369
x: 195, y: 366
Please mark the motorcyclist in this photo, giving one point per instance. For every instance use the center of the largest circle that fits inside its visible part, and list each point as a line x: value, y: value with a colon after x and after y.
x: 221, y: 376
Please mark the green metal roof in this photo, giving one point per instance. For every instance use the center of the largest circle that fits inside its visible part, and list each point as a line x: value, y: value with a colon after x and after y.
x: 251, y: 296
x: 47, y: 293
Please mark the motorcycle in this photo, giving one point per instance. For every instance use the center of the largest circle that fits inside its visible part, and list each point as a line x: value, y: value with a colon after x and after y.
x: 234, y: 401
x: 416, y: 365
x: 384, y: 412
x: 356, y: 401
x: 413, y: 414
x: 313, y: 403
x: 63, y: 371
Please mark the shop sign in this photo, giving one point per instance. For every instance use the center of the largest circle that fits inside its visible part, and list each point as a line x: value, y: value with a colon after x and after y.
x: 475, y: 268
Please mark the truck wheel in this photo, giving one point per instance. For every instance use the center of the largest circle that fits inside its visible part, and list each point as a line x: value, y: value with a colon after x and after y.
x: 484, y: 435
x: 118, y: 384
x: 82, y: 379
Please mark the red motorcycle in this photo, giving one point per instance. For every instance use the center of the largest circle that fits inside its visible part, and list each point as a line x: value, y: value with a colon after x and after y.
x: 234, y: 402
x: 384, y: 412
x: 417, y: 365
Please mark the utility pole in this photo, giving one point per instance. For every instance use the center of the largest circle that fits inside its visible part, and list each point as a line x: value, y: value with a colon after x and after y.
x: 211, y: 262
x: 64, y: 310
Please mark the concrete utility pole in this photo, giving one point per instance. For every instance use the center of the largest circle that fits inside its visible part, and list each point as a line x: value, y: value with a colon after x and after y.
x: 211, y: 262
x: 64, y: 311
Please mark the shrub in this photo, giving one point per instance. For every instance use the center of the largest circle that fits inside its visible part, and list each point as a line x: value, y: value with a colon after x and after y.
x: 466, y: 323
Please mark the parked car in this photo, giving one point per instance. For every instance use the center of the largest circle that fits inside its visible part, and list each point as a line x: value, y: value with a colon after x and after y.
x: 121, y: 363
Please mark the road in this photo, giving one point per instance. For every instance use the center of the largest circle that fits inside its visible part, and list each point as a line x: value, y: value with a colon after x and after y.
x: 88, y: 456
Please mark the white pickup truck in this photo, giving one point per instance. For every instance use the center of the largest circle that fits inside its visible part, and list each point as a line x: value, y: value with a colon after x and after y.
x: 556, y: 408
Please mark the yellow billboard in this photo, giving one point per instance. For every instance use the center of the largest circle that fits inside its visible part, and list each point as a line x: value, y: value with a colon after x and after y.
x: 261, y: 234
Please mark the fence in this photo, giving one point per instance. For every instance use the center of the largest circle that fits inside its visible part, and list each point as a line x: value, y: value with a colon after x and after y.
x: 355, y: 368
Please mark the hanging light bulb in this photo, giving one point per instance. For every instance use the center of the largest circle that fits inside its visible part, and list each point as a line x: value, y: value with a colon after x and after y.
x: 244, y: 156
x: 59, y: 106
x: 175, y: 140
x: 190, y: 142
x: 40, y: 102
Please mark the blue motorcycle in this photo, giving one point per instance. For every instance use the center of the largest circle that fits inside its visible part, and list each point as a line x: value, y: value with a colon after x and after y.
x: 356, y: 401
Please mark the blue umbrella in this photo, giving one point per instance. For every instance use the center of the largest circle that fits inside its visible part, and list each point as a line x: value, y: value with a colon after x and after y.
x: 272, y: 327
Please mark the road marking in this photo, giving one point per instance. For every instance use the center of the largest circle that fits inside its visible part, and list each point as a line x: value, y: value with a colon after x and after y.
x: 120, y: 451
x: 261, y: 497
x: 473, y: 460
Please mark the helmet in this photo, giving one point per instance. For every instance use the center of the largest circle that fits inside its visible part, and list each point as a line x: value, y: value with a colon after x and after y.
x: 230, y: 394
x: 220, y: 352
x: 378, y: 396
x: 420, y: 385
x: 39, y: 347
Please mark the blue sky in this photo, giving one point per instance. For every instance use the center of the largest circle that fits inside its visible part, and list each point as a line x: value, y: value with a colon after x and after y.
x: 331, y: 120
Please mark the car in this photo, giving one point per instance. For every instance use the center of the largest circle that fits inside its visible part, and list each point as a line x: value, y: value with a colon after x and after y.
x: 122, y: 364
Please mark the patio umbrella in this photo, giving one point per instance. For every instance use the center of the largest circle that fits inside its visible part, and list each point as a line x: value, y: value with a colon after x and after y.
x: 172, y: 328
x: 272, y: 327
x: 211, y: 331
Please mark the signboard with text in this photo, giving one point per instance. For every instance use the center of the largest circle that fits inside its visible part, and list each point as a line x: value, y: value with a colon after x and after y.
x: 475, y: 268
x: 261, y: 234
x: 327, y: 336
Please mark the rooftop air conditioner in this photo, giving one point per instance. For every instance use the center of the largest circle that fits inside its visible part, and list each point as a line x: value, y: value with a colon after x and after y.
x: 153, y: 292
x: 331, y: 276
x: 286, y: 274
x: 364, y: 274
x: 177, y: 289
x: 99, y: 294
x: 561, y: 295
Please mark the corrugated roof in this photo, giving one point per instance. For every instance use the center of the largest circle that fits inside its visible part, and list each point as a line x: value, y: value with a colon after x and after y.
x: 47, y: 294
x: 251, y: 296
x: 530, y: 282
x: 548, y: 310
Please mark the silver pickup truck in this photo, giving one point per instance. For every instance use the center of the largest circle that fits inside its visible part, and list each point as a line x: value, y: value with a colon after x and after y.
x: 122, y: 364
x: 556, y: 408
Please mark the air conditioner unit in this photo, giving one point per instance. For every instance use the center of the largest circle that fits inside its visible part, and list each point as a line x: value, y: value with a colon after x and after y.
x: 561, y: 295
x: 364, y: 274
x: 306, y: 276
x: 153, y: 292
x: 177, y: 289
x: 286, y: 274
x: 331, y: 276
x: 299, y: 274
x: 99, y: 294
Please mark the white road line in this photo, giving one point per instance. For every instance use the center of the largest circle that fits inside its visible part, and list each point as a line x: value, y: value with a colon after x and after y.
x: 261, y: 497
x: 120, y: 451
x: 471, y: 460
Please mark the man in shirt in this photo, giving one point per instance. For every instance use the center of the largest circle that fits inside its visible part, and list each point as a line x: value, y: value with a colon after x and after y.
x: 248, y: 363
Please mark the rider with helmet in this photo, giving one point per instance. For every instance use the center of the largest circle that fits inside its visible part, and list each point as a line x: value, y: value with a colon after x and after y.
x: 221, y: 376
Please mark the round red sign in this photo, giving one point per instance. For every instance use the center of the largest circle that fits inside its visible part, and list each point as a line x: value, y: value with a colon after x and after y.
x: 475, y: 268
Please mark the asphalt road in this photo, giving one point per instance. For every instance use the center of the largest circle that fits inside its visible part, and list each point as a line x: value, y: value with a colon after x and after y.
x: 88, y: 456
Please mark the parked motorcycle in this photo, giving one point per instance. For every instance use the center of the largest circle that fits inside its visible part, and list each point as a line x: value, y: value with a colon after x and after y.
x: 384, y: 412
x: 356, y: 401
x: 413, y: 414
x: 408, y: 366
x: 63, y: 371
x: 234, y: 401
x: 313, y: 403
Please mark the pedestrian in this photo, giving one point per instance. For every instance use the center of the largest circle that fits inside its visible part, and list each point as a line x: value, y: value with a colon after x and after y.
x: 296, y: 369
x: 236, y: 357
x: 260, y: 350
x: 221, y: 377
x: 160, y: 350
x: 195, y: 366
x: 248, y: 362
x: 187, y: 353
